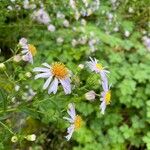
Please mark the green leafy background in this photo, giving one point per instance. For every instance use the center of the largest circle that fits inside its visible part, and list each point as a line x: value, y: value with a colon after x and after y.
x: 126, y: 123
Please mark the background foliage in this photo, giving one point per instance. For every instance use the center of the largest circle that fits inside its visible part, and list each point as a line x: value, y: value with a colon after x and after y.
x: 126, y: 122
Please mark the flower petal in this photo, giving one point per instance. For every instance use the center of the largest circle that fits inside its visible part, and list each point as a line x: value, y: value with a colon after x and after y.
x: 71, y: 111
x: 46, y: 65
x: 28, y: 57
x: 103, y: 107
x: 53, y: 87
x: 68, y: 119
x: 24, y: 51
x: 42, y: 75
x: 105, y: 85
x: 46, y: 84
x: 70, y: 131
x: 66, y: 85
x: 41, y: 69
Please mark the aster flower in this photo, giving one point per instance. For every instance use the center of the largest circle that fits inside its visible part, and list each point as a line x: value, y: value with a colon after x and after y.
x: 72, y: 4
x: 74, y: 120
x: 98, y: 68
x: 55, y: 74
x: 105, y: 96
x: 28, y: 50
x: 41, y: 16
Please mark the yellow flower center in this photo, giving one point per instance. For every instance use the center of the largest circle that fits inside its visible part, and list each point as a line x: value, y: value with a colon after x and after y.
x: 77, y: 122
x: 99, y: 66
x: 32, y: 49
x: 59, y: 70
x: 108, y: 97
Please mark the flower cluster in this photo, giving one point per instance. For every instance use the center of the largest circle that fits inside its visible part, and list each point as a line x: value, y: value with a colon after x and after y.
x: 106, y: 94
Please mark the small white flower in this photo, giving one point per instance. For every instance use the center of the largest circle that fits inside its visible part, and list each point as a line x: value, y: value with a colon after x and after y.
x: 31, y: 137
x: 60, y: 15
x: 83, y: 40
x: 110, y: 16
x: 131, y: 10
x: 73, y: 4
x: 41, y: 16
x: 116, y: 29
x: 127, y: 33
x: 85, y: 3
x: 60, y: 40
x: 74, y: 42
x: 98, y: 68
x: 105, y: 96
x: 146, y: 41
x: 89, y: 12
x: 55, y: 74
x: 51, y: 28
x: 77, y: 15
x: 17, y: 87
x: 66, y: 23
x: 90, y: 95
x: 12, y: 1
x: 83, y: 22
x: 74, y: 120
x: 9, y: 7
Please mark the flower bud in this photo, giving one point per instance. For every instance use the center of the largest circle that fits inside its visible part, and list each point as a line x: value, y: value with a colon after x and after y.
x: 28, y: 74
x: 17, y: 58
x: 90, y: 95
x: 14, y: 139
x: 31, y: 137
x: 2, y: 66
x: 81, y: 66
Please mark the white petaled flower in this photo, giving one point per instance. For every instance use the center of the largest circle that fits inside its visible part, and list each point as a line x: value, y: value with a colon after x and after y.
x: 17, y: 87
x: 28, y: 50
x: 60, y: 15
x: 74, y: 42
x: 72, y: 4
x: 146, y: 41
x: 77, y: 15
x: 55, y: 74
x: 60, y: 40
x: 105, y: 96
x: 98, y: 68
x: 66, y: 23
x: 41, y: 16
x: 74, y: 120
x: 127, y: 33
x: 51, y: 28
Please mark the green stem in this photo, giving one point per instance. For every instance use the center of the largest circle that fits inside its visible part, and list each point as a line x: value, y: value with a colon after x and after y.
x: 8, y: 110
x: 6, y: 127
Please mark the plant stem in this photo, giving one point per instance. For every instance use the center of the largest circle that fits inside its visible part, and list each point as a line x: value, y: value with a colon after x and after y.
x: 6, y: 127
